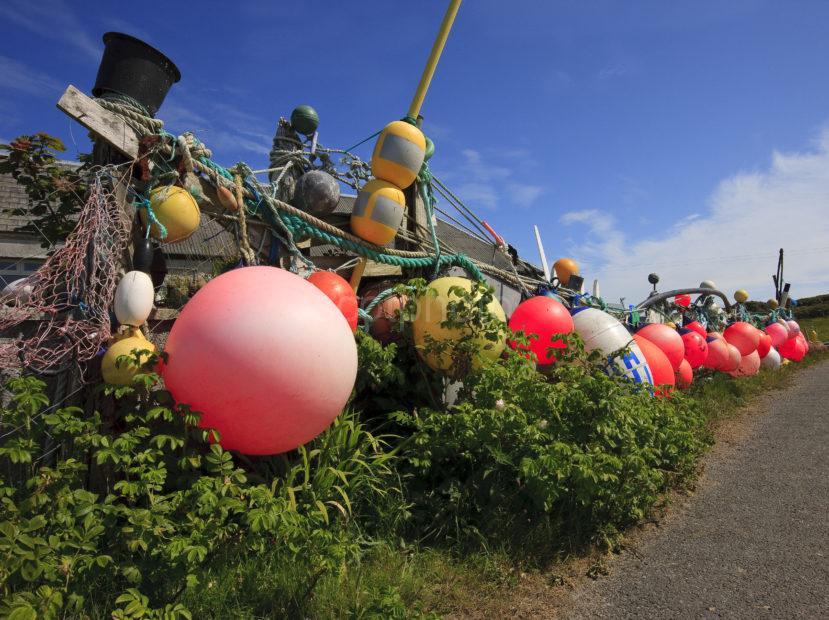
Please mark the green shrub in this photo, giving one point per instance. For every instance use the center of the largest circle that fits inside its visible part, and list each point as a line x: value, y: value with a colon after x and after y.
x: 563, y: 459
x: 133, y: 511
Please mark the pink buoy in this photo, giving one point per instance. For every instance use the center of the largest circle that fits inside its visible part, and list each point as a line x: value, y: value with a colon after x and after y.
x: 265, y: 356
x: 545, y: 318
x: 697, y: 327
x: 717, y: 353
x: 734, y: 359
x: 794, y: 328
x: 667, y: 339
x: 778, y: 333
x: 748, y: 366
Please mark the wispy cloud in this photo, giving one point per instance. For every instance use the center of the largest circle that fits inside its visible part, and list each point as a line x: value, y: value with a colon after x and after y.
x: 51, y: 19
x: 17, y: 76
x: 613, y: 71
x: 488, y: 180
x: 734, y: 242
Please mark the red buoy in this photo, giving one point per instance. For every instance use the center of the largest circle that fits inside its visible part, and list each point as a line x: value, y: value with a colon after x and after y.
x: 543, y: 317
x: 742, y: 335
x: 662, y: 372
x: 696, y: 349
x: 666, y: 339
x: 685, y: 375
x: 338, y: 290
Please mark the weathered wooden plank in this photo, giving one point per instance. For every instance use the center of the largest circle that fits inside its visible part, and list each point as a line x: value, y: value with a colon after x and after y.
x: 106, y: 124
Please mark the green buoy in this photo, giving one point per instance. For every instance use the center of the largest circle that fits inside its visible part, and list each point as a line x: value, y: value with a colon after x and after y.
x: 305, y: 120
x: 430, y: 149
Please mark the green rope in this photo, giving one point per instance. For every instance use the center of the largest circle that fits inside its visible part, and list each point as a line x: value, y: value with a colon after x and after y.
x: 300, y: 227
x: 424, y: 185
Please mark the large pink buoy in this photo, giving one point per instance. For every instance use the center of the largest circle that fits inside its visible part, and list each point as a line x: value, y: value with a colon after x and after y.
x: 266, y: 358
x: 749, y: 365
x: 543, y: 317
x: 717, y: 353
x: 667, y: 339
x: 778, y: 333
x: 794, y: 328
x: 742, y: 335
x: 696, y: 349
x: 734, y: 359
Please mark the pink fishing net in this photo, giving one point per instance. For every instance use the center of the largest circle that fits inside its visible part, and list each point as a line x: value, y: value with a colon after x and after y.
x: 69, y: 297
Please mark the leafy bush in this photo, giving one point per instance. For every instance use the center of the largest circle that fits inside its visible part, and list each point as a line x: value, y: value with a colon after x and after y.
x: 131, y: 511
x: 523, y: 458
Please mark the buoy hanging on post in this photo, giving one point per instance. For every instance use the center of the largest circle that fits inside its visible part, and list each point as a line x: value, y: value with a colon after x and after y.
x: 398, y: 154
x: 134, y: 298
x: 174, y: 209
x: 402, y: 148
x: 378, y: 212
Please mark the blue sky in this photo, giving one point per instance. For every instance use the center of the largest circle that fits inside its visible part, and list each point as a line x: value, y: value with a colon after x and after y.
x: 687, y: 138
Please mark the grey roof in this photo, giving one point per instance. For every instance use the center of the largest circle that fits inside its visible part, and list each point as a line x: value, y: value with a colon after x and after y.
x: 211, y: 240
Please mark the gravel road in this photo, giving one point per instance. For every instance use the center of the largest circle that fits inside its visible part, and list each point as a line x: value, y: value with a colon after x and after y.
x: 753, y: 541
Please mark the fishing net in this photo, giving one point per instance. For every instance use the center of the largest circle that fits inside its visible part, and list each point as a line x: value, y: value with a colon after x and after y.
x: 69, y: 297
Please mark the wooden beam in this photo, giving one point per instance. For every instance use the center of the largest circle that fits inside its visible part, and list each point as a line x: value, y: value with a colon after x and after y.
x: 112, y: 129
x: 108, y: 125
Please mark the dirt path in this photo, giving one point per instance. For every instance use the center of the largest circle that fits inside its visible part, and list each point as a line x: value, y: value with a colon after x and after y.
x: 752, y: 541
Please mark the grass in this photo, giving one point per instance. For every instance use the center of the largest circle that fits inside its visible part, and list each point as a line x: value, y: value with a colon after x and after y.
x: 488, y: 584
x: 819, y: 324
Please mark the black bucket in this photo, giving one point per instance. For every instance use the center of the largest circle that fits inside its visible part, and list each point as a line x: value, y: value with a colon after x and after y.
x: 131, y: 67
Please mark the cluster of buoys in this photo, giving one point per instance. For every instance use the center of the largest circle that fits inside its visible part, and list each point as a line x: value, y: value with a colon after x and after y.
x: 269, y: 358
x: 395, y: 163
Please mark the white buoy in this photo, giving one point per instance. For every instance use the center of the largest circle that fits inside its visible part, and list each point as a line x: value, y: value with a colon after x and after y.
x: 771, y: 361
x: 596, y: 292
x: 134, y: 298
x: 602, y: 332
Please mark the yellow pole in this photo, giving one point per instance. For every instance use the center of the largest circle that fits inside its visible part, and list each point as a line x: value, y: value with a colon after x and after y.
x: 357, y: 274
x: 434, y: 57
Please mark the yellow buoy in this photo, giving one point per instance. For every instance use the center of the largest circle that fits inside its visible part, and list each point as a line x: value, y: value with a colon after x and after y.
x: 772, y: 303
x: 177, y: 211
x: 741, y: 296
x: 398, y: 154
x: 564, y: 268
x: 378, y: 212
x: 122, y: 374
x: 432, y: 311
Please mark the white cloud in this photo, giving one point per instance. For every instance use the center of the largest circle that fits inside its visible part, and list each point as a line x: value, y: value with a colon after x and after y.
x: 734, y: 242
x: 51, y: 19
x: 16, y: 76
